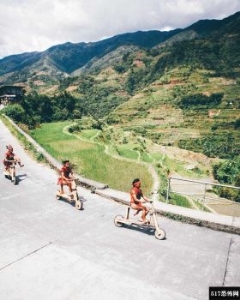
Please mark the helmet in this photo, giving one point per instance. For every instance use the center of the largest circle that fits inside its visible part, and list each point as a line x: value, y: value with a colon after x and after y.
x: 9, y: 147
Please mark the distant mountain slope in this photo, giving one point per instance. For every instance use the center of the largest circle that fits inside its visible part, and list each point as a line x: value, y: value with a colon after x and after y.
x: 207, y: 27
x: 17, y: 62
x: 70, y: 57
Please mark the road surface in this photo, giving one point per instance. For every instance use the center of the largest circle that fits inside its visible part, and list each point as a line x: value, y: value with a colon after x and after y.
x: 49, y: 250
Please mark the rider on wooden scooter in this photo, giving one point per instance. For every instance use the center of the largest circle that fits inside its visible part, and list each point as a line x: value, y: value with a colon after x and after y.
x: 11, y: 157
x: 137, y: 199
x: 66, y: 176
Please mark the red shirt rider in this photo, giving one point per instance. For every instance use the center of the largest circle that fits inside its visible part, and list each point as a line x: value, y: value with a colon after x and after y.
x: 66, y: 176
x: 9, y: 155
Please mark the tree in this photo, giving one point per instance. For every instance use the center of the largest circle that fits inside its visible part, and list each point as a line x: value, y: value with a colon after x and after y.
x: 227, y: 172
x: 15, y: 112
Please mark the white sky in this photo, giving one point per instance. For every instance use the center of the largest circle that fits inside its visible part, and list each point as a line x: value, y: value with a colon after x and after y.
x: 29, y: 25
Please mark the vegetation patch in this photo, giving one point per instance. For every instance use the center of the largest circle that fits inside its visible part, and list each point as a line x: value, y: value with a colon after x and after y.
x: 89, y: 159
x: 179, y: 200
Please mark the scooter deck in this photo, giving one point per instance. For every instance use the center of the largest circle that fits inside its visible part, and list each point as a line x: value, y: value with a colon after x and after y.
x: 136, y: 222
x: 65, y: 197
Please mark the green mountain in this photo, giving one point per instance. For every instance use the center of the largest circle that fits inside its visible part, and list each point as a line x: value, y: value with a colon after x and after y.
x: 69, y: 57
x: 178, y: 88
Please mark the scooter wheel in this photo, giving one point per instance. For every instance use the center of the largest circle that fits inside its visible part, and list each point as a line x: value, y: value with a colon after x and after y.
x: 15, y: 181
x: 160, y: 234
x: 117, y: 220
x: 78, y: 204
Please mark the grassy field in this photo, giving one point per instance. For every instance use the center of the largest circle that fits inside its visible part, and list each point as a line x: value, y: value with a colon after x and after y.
x: 89, y: 159
x: 102, y: 162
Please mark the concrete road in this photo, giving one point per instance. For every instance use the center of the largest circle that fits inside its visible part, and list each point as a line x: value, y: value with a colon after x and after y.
x: 49, y: 250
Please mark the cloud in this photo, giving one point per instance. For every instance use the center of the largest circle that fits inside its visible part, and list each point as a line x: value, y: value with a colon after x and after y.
x: 27, y: 25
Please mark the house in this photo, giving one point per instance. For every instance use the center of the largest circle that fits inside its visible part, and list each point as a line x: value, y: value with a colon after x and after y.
x: 11, y: 94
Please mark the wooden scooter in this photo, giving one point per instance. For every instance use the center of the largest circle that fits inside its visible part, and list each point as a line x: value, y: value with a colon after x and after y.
x: 151, y: 224
x: 10, y: 172
x: 72, y: 197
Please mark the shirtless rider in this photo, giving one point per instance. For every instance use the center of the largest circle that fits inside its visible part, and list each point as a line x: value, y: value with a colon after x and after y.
x: 137, y: 199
